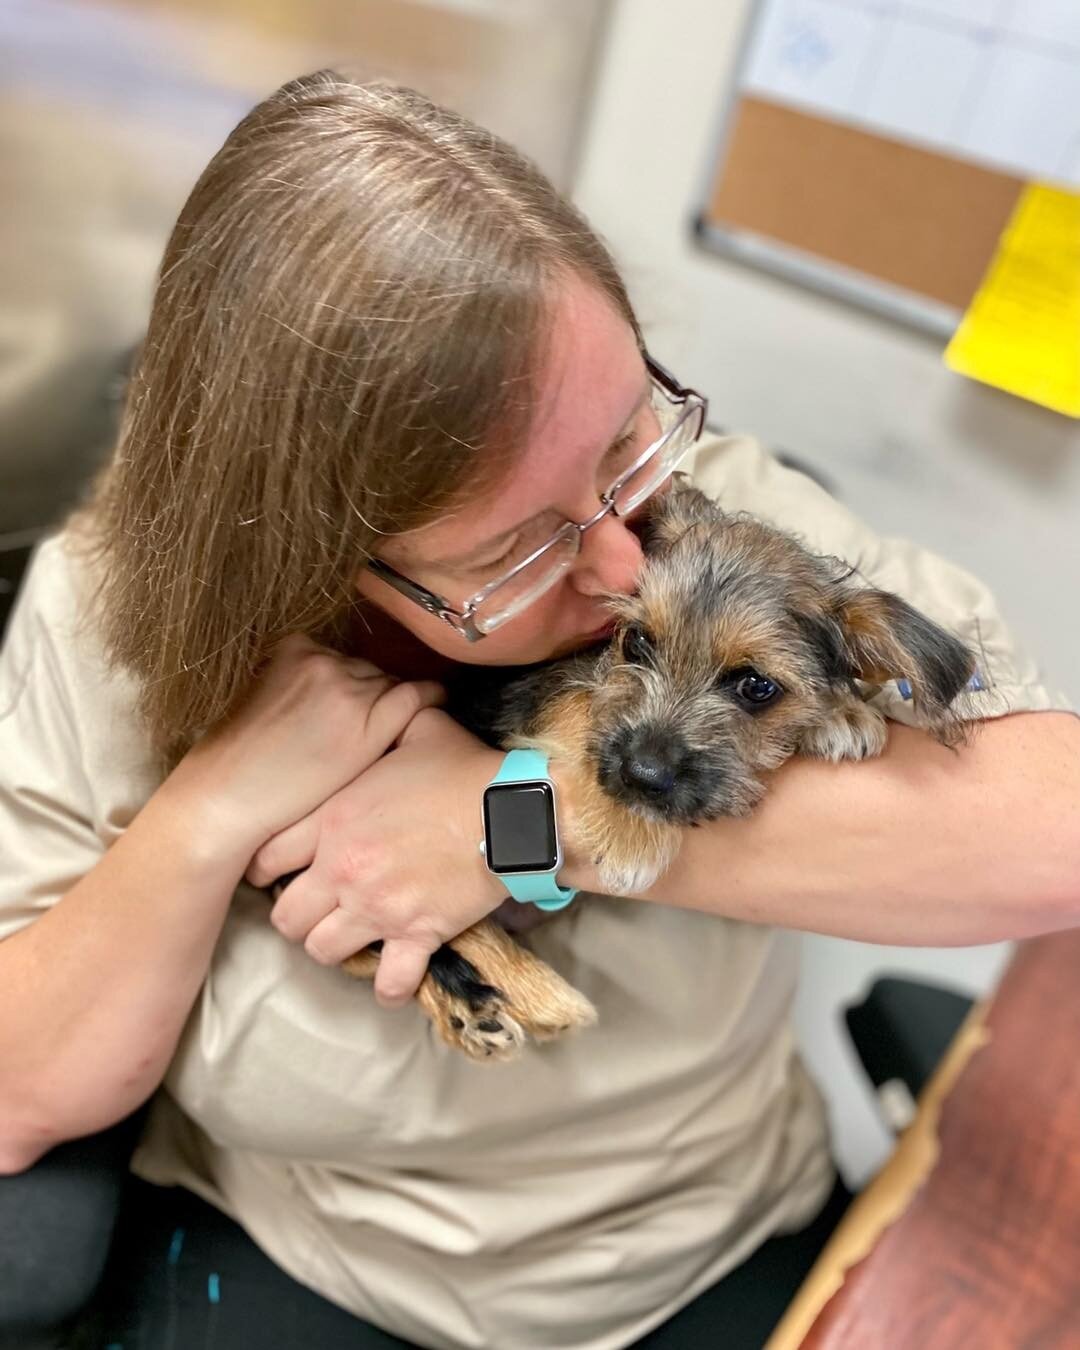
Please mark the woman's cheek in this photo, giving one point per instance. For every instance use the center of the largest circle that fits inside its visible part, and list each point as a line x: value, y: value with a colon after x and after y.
x: 560, y: 622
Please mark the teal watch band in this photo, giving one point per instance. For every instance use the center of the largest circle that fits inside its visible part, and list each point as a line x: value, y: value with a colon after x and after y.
x: 538, y: 888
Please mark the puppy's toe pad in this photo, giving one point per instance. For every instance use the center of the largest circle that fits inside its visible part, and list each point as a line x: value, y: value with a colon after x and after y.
x: 488, y: 1034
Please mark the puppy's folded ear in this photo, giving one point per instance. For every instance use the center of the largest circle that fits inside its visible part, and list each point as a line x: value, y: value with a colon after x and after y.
x: 887, y: 639
x: 673, y: 512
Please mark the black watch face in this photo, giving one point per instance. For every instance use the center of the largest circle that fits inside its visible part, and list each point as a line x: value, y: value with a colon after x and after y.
x: 519, y: 827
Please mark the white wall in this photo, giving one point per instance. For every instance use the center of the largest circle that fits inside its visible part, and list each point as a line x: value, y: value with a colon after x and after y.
x: 984, y: 478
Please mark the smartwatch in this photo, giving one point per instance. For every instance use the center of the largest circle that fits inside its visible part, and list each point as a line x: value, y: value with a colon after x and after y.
x: 521, y: 837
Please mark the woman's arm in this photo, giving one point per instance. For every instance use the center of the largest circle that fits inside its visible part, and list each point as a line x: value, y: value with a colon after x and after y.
x: 94, y: 992
x: 921, y: 847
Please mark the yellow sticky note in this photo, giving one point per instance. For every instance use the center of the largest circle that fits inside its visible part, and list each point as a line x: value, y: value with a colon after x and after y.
x: 1022, y: 330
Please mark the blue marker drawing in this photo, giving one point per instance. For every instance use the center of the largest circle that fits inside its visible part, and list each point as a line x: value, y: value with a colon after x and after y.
x: 175, y: 1246
x: 974, y: 685
x: 213, y: 1288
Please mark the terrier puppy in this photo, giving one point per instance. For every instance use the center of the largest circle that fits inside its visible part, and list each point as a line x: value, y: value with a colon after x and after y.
x: 739, y: 650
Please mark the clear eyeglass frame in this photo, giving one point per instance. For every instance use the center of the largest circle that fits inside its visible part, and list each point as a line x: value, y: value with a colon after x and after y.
x: 524, y: 583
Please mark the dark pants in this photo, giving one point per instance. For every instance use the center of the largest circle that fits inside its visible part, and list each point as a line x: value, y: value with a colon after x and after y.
x: 184, y: 1277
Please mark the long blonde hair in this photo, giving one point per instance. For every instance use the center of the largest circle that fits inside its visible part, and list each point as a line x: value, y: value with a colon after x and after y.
x: 347, y: 321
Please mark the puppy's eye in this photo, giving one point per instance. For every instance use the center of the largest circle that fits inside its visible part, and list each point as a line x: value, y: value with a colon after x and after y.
x: 752, y: 689
x: 637, y: 646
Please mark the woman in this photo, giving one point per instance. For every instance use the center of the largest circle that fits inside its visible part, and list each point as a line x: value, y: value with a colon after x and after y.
x: 379, y: 333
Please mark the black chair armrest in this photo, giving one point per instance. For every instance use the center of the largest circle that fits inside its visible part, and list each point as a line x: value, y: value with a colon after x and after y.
x: 900, y: 1031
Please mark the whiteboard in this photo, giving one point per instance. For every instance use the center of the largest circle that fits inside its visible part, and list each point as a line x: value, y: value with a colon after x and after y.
x: 996, y: 82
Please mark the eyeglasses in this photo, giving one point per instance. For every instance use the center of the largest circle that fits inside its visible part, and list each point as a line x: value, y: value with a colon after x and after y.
x: 680, y: 413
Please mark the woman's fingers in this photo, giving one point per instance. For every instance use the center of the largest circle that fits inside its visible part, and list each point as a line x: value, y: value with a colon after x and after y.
x: 394, y: 709
x: 402, y: 966
x: 290, y: 850
x: 301, y: 908
x: 333, y: 934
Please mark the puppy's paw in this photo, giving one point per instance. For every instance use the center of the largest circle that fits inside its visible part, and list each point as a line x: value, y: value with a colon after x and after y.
x: 486, y: 995
x: 627, y: 876
x: 854, y: 730
x: 533, y: 995
x: 631, y: 851
x: 487, y: 1033
x: 469, y: 1012
x: 629, y: 848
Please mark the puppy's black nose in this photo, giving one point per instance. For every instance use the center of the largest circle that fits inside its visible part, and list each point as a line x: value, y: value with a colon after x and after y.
x: 648, y: 764
x: 643, y: 771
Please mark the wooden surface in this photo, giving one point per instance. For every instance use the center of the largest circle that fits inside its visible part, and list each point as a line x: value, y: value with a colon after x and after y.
x: 985, y: 1254
x: 922, y: 221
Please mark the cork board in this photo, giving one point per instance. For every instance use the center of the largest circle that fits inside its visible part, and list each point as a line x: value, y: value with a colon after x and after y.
x: 904, y: 230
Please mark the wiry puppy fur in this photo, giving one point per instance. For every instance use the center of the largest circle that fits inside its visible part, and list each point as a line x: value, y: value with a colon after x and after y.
x: 739, y: 650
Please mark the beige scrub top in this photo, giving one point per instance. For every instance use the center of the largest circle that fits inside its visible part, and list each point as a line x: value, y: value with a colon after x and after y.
x: 576, y: 1198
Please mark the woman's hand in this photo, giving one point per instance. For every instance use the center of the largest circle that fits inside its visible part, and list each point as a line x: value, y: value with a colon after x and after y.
x: 394, y: 855
x: 312, y: 721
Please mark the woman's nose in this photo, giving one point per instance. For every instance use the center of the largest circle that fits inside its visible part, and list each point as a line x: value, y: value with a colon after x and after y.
x: 610, y: 559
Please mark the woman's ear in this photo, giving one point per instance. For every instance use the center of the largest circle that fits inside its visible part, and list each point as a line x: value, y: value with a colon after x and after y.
x: 887, y: 639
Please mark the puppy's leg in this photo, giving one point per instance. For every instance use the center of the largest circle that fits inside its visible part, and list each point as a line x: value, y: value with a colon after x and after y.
x: 468, y: 1013
x: 852, y: 730
x: 485, y: 994
x: 629, y: 850
x: 533, y: 994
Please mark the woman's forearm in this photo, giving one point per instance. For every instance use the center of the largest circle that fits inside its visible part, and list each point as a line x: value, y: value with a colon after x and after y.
x: 94, y: 994
x: 923, y: 846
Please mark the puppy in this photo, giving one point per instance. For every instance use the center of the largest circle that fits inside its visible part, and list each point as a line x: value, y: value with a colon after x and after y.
x: 739, y: 650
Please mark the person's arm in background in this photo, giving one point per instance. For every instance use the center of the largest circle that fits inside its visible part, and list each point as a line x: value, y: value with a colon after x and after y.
x: 95, y: 991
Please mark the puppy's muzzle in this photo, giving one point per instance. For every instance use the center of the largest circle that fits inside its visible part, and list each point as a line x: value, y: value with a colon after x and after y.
x: 651, y: 769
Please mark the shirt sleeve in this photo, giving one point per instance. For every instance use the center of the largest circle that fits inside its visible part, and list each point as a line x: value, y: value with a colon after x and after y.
x: 72, y: 769
x: 740, y: 475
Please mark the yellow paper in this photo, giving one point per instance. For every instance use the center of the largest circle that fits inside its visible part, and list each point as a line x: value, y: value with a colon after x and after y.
x: 1022, y: 330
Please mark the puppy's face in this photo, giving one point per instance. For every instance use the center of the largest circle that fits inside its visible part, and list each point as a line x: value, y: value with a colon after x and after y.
x: 737, y: 645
